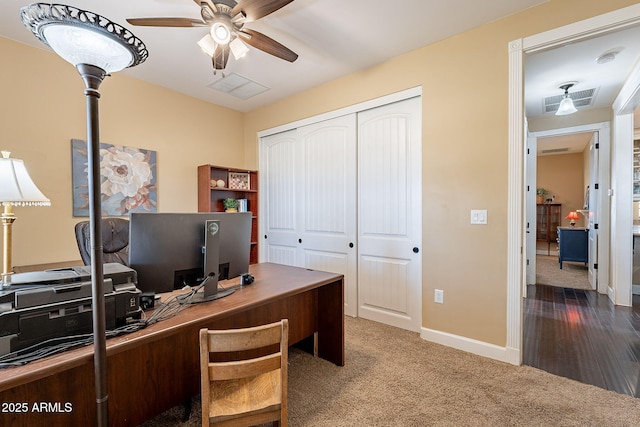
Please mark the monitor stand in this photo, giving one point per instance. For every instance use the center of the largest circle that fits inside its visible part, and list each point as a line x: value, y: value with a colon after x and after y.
x: 211, y: 252
x: 201, y: 296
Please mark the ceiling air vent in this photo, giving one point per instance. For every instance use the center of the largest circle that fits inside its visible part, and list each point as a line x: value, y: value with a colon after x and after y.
x: 238, y: 86
x: 555, y: 150
x: 581, y: 98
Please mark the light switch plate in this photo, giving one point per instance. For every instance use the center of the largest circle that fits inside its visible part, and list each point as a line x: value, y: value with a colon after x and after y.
x: 478, y: 216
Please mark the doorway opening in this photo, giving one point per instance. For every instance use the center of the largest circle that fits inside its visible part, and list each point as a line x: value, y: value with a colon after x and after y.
x: 595, y: 27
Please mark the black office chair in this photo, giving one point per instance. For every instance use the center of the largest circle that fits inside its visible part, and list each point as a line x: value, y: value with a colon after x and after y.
x: 115, y: 240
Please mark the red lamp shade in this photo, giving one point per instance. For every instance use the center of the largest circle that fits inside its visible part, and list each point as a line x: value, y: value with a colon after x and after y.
x: 572, y: 216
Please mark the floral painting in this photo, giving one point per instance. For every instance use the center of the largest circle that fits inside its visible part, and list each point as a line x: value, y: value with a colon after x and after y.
x: 127, y: 179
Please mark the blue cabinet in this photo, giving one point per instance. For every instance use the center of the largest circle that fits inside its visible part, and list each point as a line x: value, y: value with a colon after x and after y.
x: 573, y: 244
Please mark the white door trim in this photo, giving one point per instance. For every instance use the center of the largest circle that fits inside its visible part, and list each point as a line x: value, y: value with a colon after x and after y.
x: 604, y: 130
x: 615, y: 20
x: 623, y: 107
x: 356, y: 108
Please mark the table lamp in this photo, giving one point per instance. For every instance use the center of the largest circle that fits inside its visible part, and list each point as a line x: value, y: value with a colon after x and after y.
x: 96, y: 47
x: 16, y: 189
x: 572, y: 217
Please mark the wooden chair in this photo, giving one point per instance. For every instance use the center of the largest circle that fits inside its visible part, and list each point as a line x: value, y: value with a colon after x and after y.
x: 244, y: 375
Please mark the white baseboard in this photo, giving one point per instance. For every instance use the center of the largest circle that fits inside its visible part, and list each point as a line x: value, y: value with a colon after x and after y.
x: 481, y: 348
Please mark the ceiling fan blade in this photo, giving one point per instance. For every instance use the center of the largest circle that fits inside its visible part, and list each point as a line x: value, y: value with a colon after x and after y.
x: 268, y: 45
x: 166, y: 22
x: 256, y: 9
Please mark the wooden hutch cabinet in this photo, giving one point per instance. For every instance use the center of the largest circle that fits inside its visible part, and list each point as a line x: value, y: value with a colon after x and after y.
x: 547, y: 222
x: 211, y: 195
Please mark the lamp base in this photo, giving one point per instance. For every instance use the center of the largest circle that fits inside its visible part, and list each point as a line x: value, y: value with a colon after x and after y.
x: 5, y: 280
x: 7, y: 218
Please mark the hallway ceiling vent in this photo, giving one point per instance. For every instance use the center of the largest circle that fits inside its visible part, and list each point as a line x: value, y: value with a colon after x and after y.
x: 555, y: 150
x: 581, y: 98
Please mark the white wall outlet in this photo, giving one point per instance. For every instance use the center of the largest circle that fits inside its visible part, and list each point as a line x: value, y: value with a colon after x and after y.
x: 438, y: 296
x: 478, y: 216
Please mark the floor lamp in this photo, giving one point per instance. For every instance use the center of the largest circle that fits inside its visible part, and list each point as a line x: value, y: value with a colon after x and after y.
x: 16, y: 189
x: 96, y: 46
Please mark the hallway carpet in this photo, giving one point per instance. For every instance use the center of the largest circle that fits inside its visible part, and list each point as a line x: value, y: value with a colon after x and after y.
x: 573, y: 274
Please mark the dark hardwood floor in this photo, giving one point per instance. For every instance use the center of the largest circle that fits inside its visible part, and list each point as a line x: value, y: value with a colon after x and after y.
x: 582, y: 335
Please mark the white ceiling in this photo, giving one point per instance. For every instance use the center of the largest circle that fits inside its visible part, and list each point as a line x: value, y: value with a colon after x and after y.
x: 332, y: 38
x: 576, y: 62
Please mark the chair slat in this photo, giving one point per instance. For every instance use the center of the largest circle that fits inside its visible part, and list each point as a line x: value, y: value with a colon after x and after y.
x: 249, y: 339
x: 243, y: 368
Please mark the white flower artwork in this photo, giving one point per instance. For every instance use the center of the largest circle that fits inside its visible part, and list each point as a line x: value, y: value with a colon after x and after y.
x: 127, y: 179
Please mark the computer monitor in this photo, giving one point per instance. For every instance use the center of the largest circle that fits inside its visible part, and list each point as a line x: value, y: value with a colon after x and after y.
x: 168, y: 250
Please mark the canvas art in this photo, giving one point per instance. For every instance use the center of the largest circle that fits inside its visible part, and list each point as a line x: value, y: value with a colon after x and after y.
x: 127, y: 179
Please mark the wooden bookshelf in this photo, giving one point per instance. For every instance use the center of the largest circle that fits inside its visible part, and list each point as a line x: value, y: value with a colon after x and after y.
x: 211, y: 195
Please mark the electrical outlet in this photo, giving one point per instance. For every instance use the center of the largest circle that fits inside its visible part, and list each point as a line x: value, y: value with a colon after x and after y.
x: 438, y: 296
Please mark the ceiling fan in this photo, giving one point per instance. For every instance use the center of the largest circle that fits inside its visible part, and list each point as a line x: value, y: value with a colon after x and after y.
x: 226, y: 20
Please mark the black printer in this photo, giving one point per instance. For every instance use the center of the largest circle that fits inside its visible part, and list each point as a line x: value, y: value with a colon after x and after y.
x: 38, y: 306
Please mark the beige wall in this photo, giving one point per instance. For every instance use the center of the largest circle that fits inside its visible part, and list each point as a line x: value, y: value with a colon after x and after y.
x: 562, y: 175
x: 43, y: 108
x: 464, y: 81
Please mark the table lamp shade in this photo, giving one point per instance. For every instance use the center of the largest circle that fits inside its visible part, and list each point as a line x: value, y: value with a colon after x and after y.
x: 16, y: 186
x: 573, y: 216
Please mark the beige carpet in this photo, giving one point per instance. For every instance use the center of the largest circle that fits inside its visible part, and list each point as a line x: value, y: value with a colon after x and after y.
x: 394, y: 378
x: 573, y: 274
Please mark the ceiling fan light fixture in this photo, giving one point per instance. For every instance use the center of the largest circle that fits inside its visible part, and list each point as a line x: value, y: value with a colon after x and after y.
x: 566, y: 105
x: 207, y: 44
x: 220, y: 33
x: 238, y: 48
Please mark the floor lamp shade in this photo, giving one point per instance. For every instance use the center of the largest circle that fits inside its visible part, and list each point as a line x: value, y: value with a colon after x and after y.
x: 83, y: 37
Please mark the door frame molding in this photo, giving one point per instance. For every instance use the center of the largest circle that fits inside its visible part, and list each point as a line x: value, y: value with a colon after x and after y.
x: 516, y: 271
x: 628, y: 100
x: 355, y: 108
x: 604, y: 131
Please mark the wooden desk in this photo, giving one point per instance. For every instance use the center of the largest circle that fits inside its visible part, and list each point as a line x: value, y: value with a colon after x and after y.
x: 154, y: 369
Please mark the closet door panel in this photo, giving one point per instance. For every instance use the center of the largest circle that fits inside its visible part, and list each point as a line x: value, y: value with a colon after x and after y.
x: 327, y: 186
x: 278, y: 192
x: 389, y: 221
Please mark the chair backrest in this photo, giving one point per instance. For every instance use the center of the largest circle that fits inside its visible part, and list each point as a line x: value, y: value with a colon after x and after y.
x: 115, y: 240
x: 244, y: 375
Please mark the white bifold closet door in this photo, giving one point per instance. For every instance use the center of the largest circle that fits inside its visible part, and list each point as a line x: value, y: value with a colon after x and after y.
x: 390, y: 214
x: 309, y: 191
x: 344, y: 195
